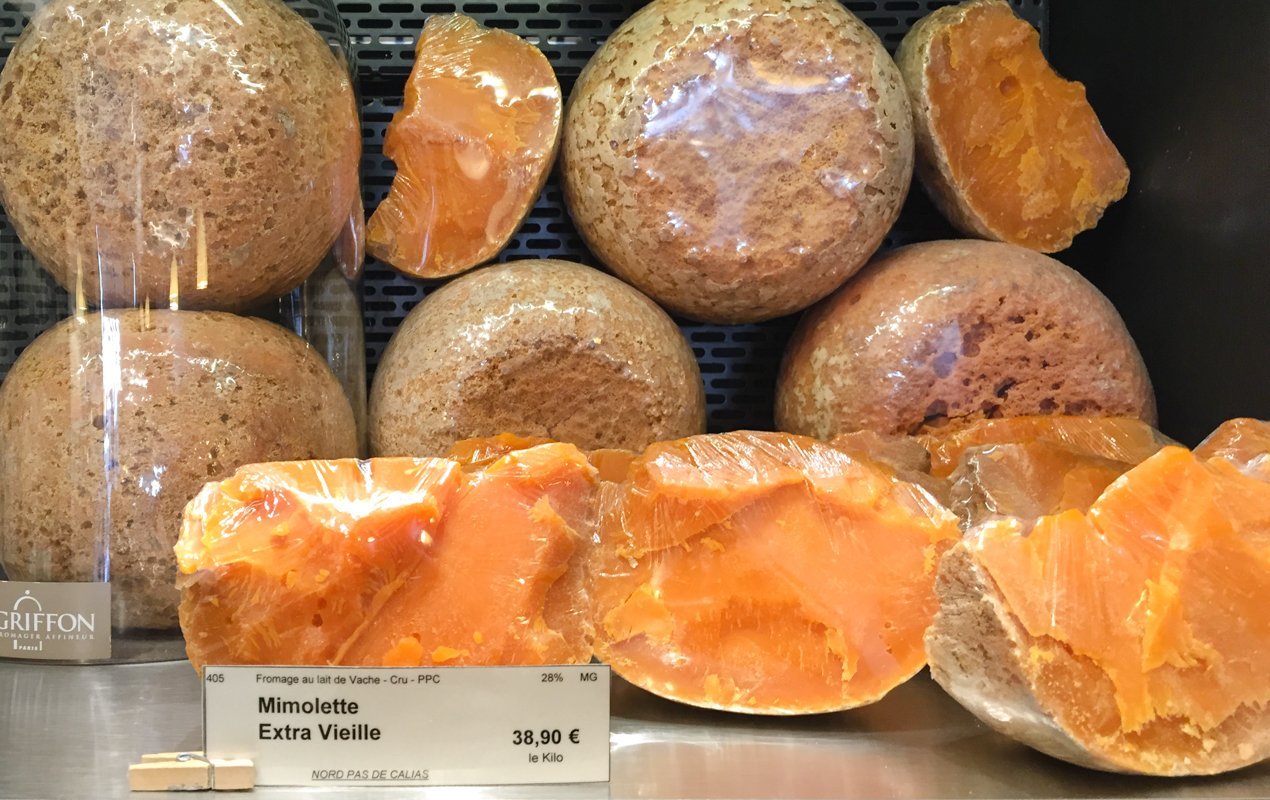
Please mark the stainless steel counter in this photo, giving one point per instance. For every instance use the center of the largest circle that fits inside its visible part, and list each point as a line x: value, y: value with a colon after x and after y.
x: 70, y: 732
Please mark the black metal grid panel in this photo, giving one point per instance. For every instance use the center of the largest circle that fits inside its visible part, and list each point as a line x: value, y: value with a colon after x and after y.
x: 738, y: 362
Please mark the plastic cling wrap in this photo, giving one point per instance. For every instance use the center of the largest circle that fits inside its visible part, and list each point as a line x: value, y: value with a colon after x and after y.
x: 1133, y: 637
x: 1114, y: 438
x: 110, y: 423
x: 765, y: 573
x: 200, y: 154
x: 391, y: 562
x: 538, y: 348
x: 1030, y: 467
x: 737, y: 160
x: 182, y: 178
x: 938, y: 335
x: 473, y: 146
x: 1245, y: 443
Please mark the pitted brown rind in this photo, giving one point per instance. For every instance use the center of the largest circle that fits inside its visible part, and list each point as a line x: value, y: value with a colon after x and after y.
x: 738, y: 160
x: 536, y: 348
x: 104, y: 447
x: 139, y: 138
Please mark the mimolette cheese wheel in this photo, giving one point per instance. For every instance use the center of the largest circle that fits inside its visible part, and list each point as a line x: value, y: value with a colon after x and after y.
x: 1243, y: 442
x: 200, y: 150
x: 1132, y: 638
x: 539, y: 348
x: 1007, y: 149
x: 473, y: 145
x: 391, y: 562
x: 765, y: 573
x: 111, y: 422
x: 935, y: 336
x: 737, y: 160
x: 1124, y: 439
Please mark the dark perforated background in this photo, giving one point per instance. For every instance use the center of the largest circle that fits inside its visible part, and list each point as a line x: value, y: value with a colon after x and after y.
x: 738, y: 362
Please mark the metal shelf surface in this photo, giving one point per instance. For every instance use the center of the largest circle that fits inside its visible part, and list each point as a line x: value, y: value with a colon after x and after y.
x: 70, y: 732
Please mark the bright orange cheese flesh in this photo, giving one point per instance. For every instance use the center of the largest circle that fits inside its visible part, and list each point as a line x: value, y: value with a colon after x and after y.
x: 765, y: 573
x: 1028, y: 480
x: 1115, y: 438
x: 1245, y: 443
x: 391, y: 562
x: 1025, y: 149
x: 1160, y: 594
x: 480, y: 452
x: 473, y: 145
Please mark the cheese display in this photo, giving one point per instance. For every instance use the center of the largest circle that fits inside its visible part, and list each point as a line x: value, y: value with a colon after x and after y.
x: 737, y: 160
x: 935, y: 336
x: 200, y: 154
x: 538, y: 348
x: 101, y: 455
x: 1132, y: 637
x: 473, y: 144
x: 1007, y: 149
x: 374, y: 563
x: 765, y: 573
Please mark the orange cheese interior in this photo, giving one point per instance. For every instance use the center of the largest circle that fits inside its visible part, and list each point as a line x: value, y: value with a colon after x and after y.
x: 1159, y: 593
x: 391, y: 562
x: 1024, y: 147
x: 472, y: 144
x: 480, y: 452
x: 1244, y: 443
x: 765, y: 573
x: 1029, y: 480
x: 1114, y: 438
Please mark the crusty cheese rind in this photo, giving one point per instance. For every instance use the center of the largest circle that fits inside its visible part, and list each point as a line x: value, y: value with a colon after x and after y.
x: 932, y: 166
x: 982, y: 656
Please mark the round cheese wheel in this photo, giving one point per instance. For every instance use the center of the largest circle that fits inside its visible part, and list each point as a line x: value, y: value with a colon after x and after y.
x: 111, y: 422
x: 535, y: 348
x: 197, y: 150
x: 738, y: 159
x: 936, y: 335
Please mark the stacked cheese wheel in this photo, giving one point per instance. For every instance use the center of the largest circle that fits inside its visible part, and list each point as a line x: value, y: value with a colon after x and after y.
x: 171, y: 156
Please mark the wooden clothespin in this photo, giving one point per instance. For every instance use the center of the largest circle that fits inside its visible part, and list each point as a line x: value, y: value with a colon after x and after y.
x: 190, y: 772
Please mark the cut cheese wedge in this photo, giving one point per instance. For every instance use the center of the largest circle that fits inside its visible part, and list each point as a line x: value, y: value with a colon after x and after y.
x: 1132, y: 638
x: 1028, y: 480
x: 1007, y: 149
x: 1244, y: 443
x: 391, y: 562
x: 765, y: 573
x: 479, y: 452
x: 1121, y: 439
x: 473, y: 145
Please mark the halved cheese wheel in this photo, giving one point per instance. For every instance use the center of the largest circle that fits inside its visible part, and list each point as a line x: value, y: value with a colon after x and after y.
x: 391, y: 562
x: 1132, y: 638
x: 473, y: 145
x: 1007, y: 149
x: 765, y: 573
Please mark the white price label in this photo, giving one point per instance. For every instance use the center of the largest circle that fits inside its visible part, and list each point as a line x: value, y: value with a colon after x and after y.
x: 448, y: 726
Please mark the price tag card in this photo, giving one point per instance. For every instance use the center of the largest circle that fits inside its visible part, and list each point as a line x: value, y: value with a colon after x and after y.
x: 311, y: 726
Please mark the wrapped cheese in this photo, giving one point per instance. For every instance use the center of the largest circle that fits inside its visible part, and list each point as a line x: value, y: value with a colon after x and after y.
x: 765, y: 573
x: 391, y: 562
